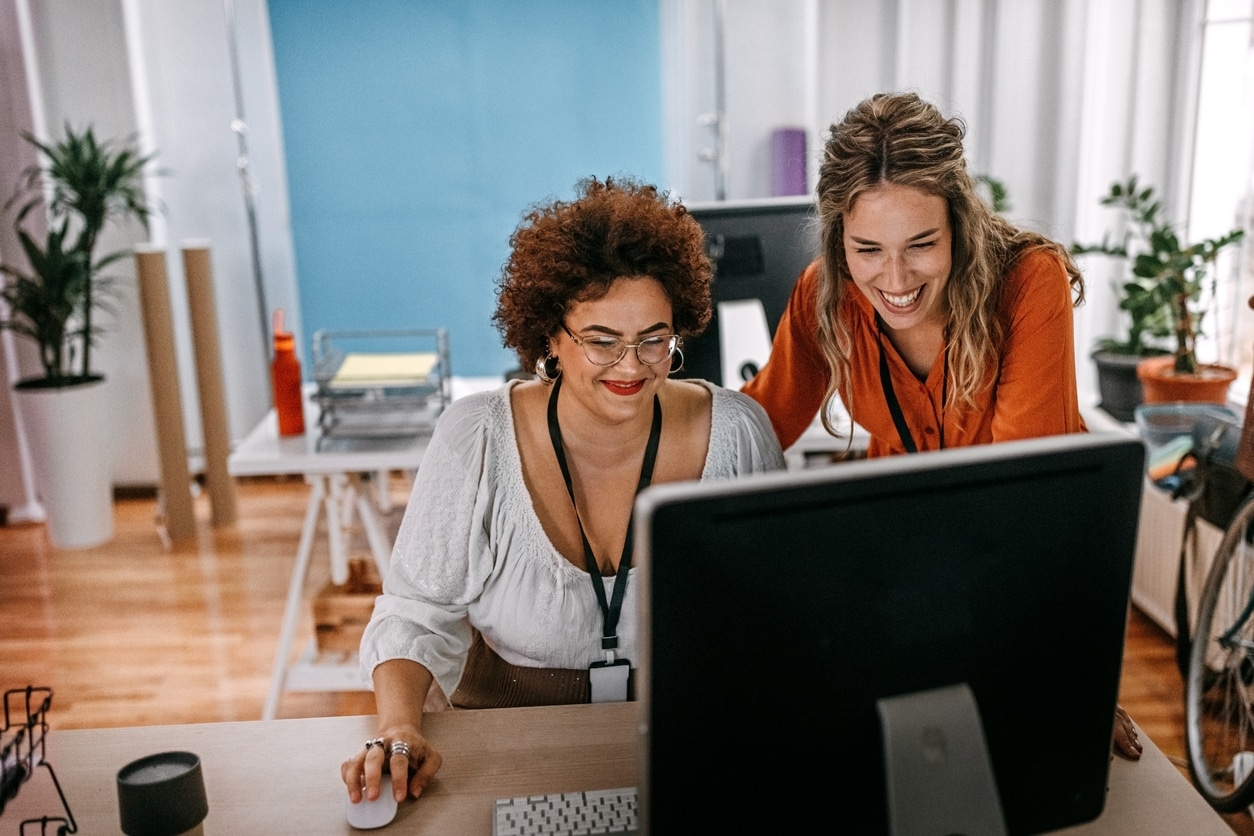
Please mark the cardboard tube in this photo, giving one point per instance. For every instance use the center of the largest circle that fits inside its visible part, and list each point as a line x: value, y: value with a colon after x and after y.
x: 163, y: 377
x: 202, y: 304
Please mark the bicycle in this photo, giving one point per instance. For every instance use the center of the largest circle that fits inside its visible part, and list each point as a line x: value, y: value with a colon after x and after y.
x: 1219, y: 679
x: 1219, y: 687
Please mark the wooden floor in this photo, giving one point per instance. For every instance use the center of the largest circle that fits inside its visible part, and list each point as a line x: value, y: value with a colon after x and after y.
x: 131, y: 633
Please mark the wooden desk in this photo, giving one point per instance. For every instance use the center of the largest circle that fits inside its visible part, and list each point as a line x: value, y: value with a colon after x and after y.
x: 282, y: 776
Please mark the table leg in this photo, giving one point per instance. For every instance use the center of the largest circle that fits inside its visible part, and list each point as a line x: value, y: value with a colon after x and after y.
x: 292, y: 608
x: 383, y: 496
x: 339, y: 511
x: 370, y: 521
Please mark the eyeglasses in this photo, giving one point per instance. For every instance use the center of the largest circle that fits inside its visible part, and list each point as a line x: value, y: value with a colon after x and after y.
x: 606, y: 350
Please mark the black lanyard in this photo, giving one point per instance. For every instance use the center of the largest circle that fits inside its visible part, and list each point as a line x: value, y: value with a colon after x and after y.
x: 609, y: 610
x: 890, y: 395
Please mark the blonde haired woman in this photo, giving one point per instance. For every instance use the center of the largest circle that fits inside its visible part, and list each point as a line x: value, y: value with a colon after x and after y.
x: 935, y: 320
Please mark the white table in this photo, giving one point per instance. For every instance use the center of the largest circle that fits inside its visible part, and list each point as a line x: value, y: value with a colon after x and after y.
x: 817, y: 445
x: 333, y: 468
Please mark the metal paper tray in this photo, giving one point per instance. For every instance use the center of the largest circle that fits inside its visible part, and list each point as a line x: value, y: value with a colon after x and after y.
x: 394, y: 404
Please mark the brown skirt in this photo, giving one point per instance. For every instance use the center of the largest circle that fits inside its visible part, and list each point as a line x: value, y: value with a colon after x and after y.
x: 491, y: 682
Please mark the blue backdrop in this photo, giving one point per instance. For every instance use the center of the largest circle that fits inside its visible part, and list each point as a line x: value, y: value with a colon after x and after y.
x: 417, y: 132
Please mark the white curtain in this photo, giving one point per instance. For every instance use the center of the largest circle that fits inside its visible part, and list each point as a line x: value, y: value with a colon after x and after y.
x: 1061, y: 98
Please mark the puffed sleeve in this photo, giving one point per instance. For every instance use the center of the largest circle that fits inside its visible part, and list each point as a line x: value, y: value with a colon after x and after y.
x: 1036, y: 387
x: 742, y: 440
x: 442, y: 557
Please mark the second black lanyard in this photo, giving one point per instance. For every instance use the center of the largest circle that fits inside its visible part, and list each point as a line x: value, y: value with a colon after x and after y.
x: 610, y: 609
x: 890, y: 395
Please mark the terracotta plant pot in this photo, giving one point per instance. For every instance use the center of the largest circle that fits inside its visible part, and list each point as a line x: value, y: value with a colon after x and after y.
x: 1161, y: 384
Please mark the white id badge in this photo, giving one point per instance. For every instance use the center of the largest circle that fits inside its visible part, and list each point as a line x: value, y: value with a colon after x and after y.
x: 609, y: 680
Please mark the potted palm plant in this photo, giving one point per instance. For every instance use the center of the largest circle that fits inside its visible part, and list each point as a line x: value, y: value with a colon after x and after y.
x: 1162, y: 300
x: 53, y: 300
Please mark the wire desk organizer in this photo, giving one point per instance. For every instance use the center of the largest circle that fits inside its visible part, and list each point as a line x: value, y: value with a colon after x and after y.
x: 22, y: 750
x: 380, y: 384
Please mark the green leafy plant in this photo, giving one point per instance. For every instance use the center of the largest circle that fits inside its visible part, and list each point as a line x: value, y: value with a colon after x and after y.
x: 998, y: 198
x: 83, y: 184
x: 1162, y: 296
x: 42, y: 301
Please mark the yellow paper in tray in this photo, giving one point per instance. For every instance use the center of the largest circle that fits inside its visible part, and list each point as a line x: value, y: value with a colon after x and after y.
x: 404, y: 369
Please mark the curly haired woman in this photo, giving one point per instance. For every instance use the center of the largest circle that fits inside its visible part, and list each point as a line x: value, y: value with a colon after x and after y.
x: 510, y: 581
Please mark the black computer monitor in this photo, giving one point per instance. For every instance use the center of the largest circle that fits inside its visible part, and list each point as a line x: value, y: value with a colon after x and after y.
x: 758, y: 249
x: 779, y: 612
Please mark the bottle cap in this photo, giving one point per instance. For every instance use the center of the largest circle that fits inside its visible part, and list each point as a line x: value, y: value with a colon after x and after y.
x: 283, y: 340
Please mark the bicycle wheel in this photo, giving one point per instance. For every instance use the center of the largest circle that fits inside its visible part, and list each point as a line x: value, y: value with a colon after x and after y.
x: 1219, y: 687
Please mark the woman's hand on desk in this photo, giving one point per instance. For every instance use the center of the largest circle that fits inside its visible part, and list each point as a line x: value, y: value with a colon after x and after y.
x: 400, y: 687
x: 1126, y: 743
x: 410, y: 772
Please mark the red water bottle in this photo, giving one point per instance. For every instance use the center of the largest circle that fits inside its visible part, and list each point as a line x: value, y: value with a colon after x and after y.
x: 285, y: 376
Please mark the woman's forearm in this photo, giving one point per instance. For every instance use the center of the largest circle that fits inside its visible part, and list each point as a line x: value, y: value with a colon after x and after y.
x: 400, y: 689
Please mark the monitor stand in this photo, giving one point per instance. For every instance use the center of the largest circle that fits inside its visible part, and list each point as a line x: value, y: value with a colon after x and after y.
x: 938, y: 777
x: 744, y: 340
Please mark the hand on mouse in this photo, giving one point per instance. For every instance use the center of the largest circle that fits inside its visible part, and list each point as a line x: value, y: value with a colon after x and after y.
x: 410, y: 771
x: 1126, y: 743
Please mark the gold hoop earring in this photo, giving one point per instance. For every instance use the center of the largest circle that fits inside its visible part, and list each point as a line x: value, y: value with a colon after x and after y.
x: 680, y: 367
x: 547, y: 368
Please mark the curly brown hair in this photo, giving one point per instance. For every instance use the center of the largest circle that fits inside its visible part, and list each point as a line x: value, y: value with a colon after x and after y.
x: 572, y: 251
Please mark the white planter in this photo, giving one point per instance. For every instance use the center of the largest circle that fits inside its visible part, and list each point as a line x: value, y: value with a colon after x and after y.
x: 66, y: 433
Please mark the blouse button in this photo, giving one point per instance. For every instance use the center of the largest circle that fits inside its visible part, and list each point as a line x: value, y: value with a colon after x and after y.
x: 929, y: 431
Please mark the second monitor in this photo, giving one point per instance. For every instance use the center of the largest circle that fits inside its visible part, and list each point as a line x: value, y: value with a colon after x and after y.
x: 758, y: 249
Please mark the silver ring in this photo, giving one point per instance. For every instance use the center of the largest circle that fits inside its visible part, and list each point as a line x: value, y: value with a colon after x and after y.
x: 400, y: 747
x: 370, y: 744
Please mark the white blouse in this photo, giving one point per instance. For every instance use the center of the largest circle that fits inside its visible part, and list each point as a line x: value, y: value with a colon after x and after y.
x: 471, y: 549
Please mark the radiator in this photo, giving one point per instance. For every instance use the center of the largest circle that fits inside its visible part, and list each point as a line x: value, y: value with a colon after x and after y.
x: 1158, y: 556
x: 1159, y: 531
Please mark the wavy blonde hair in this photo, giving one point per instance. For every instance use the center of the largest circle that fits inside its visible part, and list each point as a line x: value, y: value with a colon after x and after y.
x: 898, y: 138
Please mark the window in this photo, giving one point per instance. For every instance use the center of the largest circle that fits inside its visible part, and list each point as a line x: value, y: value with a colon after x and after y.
x: 1222, y: 191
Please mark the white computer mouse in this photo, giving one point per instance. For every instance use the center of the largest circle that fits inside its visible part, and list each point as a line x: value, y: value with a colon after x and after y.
x: 367, y: 814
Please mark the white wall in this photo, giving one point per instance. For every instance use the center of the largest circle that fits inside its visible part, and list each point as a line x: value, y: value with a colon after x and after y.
x: 17, y: 488
x: 161, y: 71
x: 764, y: 89
x: 187, y: 106
x: 83, y: 79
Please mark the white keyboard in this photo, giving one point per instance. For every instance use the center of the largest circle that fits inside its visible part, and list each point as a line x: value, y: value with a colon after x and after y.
x: 567, y: 814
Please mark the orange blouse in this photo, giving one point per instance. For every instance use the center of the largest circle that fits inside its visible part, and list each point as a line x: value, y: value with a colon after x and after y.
x: 1032, y: 392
